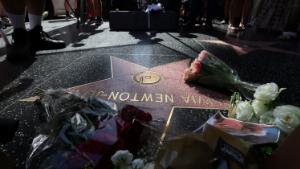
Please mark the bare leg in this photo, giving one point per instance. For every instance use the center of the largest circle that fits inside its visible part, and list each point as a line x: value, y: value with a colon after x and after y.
x: 226, y: 9
x: 246, y: 12
x: 2, y: 12
x: 235, y: 12
x: 91, y: 7
x: 67, y: 7
x: 98, y: 8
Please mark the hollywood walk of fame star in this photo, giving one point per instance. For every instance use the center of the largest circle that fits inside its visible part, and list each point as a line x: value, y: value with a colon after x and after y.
x: 167, y: 91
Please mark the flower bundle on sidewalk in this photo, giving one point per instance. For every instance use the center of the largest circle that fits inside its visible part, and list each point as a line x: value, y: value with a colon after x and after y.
x: 82, y: 133
x: 263, y: 109
x: 210, y: 71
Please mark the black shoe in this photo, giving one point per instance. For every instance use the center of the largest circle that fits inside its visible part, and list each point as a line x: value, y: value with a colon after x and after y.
x: 20, y: 49
x: 42, y: 41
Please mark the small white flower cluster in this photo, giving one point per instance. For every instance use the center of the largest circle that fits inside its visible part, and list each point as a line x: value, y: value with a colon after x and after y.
x: 123, y: 159
x: 260, y: 110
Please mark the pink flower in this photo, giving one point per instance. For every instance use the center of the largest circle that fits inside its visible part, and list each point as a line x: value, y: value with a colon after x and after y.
x: 191, y: 73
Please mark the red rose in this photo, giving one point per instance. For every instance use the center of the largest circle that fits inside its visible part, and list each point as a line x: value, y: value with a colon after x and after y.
x: 128, y: 113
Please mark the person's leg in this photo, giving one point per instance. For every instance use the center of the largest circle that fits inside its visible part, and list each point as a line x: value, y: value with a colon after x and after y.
x: 235, y: 13
x: 2, y: 13
x: 98, y: 11
x: 4, y: 21
x: 35, y: 10
x: 226, y: 9
x: 15, y: 10
x: 210, y: 12
x: 67, y: 8
x: 247, y: 7
x: 98, y: 8
x: 20, y: 47
x: 39, y: 39
x: 194, y: 7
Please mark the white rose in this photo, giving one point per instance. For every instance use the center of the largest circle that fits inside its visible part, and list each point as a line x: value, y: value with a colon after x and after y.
x: 259, y: 107
x: 244, y: 111
x: 267, y: 92
x: 122, y: 158
x: 287, y: 117
x: 149, y: 166
x: 267, y: 118
x: 137, y: 164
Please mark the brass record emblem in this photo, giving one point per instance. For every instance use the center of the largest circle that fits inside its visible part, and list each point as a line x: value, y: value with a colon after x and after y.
x: 147, y: 78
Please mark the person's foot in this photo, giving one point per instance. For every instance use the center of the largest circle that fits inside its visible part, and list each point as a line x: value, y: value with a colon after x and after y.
x: 90, y: 20
x: 207, y: 25
x: 188, y: 25
x: 69, y: 16
x: 42, y: 41
x: 99, y: 21
x: 242, y: 27
x: 20, y: 48
x: 231, y: 27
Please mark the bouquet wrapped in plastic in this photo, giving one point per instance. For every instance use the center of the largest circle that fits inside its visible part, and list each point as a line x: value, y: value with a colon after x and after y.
x: 83, y: 133
x: 210, y: 71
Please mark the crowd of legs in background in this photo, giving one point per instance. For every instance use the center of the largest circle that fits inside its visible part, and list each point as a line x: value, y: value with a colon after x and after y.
x: 25, y: 43
x: 238, y: 13
x: 94, y: 10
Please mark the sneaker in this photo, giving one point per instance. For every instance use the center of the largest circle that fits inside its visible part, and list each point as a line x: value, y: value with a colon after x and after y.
x: 20, y: 48
x: 42, y: 41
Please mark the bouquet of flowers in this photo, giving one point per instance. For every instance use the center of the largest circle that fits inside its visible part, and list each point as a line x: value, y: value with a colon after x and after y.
x: 263, y: 109
x: 209, y: 70
x: 83, y: 133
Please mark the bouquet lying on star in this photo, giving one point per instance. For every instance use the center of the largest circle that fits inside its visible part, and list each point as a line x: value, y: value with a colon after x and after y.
x: 264, y: 109
x: 209, y: 70
x: 83, y: 133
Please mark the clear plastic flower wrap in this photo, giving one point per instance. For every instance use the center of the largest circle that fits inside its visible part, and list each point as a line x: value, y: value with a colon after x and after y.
x: 81, y: 133
x: 210, y: 71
